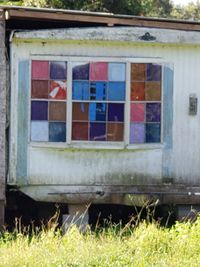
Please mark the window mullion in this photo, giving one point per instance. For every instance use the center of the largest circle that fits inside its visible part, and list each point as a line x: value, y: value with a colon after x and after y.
x: 69, y: 102
x: 127, y: 105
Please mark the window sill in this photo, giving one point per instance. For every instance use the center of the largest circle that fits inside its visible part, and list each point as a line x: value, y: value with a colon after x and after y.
x: 96, y: 146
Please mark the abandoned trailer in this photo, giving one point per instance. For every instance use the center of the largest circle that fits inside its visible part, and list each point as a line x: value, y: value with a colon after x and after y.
x: 98, y: 109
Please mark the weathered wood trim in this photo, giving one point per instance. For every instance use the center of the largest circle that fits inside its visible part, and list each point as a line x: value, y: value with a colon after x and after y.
x: 124, y: 35
x: 104, y: 19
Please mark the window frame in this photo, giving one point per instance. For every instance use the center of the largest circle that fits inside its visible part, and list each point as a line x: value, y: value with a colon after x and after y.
x: 69, y: 143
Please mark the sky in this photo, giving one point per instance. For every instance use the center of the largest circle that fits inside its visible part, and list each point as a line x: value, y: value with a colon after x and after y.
x: 183, y: 2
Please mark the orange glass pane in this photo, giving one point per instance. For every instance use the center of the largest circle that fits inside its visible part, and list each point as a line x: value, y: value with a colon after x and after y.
x: 138, y: 72
x: 115, y: 131
x: 153, y: 91
x: 80, y: 112
x: 137, y: 91
x: 57, y: 111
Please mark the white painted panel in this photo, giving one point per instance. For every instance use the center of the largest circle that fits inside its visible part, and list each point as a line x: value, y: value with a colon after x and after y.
x: 71, y: 167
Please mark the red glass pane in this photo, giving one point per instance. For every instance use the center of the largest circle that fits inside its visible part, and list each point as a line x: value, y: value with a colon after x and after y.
x: 79, y: 131
x: 40, y: 69
x: 58, y: 90
x: 99, y: 71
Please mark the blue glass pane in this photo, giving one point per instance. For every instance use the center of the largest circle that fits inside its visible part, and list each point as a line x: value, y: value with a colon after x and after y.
x: 97, y: 112
x: 153, y: 133
x: 116, y: 91
x: 39, y: 131
x: 58, y: 70
x: 116, y: 72
x: 98, y: 90
x: 80, y: 90
x: 81, y: 72
x: 57, y: 132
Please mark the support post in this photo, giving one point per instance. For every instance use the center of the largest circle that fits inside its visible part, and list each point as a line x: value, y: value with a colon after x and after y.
x: 77, y: 215
x: 3, y: 105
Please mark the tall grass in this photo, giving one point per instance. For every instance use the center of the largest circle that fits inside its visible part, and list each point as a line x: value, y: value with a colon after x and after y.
x: 147, y: 244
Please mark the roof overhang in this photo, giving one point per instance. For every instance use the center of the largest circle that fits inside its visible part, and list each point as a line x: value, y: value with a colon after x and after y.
x: 93, y: 18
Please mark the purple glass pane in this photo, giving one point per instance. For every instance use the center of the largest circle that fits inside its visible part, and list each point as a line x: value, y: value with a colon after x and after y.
x: 137, y: 133
x: 153, y: 72
x: 39, y: 110
x: 81, y: 72
x: 58, y: 70
x: 97, y: 131
x: 115, y: 112
x: 153, y: 112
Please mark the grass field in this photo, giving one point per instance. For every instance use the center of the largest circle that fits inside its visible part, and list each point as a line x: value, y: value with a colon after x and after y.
x: 148, y: 244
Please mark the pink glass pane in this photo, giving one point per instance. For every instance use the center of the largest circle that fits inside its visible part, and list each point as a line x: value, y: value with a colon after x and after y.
x: 40, y: 69
x: 58, y: 90
x: 137, y: 112
x: 99, y: 71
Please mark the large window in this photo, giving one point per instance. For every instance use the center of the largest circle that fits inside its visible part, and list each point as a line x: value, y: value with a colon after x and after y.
x: 90, y: 105
x: 98, y: 97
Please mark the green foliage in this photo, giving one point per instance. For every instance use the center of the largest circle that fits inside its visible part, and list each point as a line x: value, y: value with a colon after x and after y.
x: 148, y: 244
x: 189, y: 12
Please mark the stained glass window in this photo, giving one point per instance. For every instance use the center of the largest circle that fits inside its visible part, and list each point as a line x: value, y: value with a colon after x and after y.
x: 145, y: 114
x: 48, y: 101
x: 98, y: 101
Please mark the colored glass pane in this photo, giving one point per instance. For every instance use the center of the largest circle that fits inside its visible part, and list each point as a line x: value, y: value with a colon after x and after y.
x: 39, y: 89
x: 98, y: 71
x: 137, y: 112
x: 137, y: 133
x: 57, y: 132
x: 58, y: 70
x: 153, y: 112
x: 153, y: 91
x: 81, y: 71
x: 152, y: 132
x: 116, y: 72
x: 39, y: 110
x: 58, y: 90
x: 97, y: 111
x: 80, y: 90
x: 40, y: 69
x: 97, y: 131
x: 57, y: 111
x: 80, y: 111
x: 79, y: 131
x: 115, y: 131
x: 39, y: 131
x: 116, y: 91
x: 115, y: 112
x: 138, y: 72
x: 137, y: 91
x: 153, y: 72
x: 98, y: 90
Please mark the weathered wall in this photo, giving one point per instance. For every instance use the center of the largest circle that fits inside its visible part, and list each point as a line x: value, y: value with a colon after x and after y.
x: 177, y: 159
x: 2, y: 117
